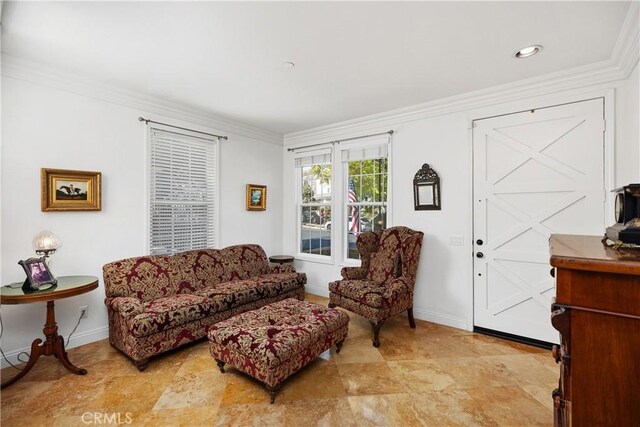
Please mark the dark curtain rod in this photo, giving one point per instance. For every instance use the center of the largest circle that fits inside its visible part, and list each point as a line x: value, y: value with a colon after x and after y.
x: 338, y: 141
x: 147, y: 121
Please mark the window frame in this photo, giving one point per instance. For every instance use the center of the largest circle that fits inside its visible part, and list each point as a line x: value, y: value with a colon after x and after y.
x: 323, y: 259
x: 344, y: 165
x: 346, y: 208
x: 339, y: 205
x: 215, y: 226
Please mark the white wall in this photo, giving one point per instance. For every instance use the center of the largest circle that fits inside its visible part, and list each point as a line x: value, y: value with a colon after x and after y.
x: 53, y: 128
x: 628, y: 131
x: 444, y: 282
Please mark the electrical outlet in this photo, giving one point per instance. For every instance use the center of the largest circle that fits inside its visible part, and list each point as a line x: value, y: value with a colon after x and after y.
x: 84, y: 312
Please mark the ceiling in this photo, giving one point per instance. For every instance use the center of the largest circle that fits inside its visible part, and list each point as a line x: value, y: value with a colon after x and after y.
x: 351, y: 58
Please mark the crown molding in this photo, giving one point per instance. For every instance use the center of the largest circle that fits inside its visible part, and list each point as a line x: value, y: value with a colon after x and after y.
x: 626, y: 52
x: 21, y: 69
x: 619, y: 66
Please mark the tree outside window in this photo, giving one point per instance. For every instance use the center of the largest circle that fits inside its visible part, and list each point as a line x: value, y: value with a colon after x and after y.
x: 315, y: 210
x: 366, y: 200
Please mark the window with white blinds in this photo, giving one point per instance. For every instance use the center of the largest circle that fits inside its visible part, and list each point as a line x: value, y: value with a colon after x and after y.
x: 183, y: 192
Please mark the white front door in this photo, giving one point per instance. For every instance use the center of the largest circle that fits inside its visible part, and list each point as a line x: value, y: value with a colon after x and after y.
x: 535, y: 173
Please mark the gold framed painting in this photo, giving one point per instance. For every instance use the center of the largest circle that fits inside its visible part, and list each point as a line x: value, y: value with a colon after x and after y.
x: 256, y: 197
x: 70, y: 190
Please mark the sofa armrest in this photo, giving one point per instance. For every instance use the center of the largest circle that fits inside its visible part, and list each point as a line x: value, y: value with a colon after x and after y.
x: 353, y: 273
x: 281, y: 268
x: 127, y: 306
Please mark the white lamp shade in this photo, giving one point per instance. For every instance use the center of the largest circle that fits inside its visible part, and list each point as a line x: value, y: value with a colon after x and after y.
x: 46, y: 241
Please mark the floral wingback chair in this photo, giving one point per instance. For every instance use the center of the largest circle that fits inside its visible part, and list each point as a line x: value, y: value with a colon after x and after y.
x: 383, y: 285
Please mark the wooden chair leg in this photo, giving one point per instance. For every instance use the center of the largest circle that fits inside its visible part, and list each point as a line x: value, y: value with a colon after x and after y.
x: 412, y: 322
x: 376, y: 332
x: 272, y: 393
x: 141, y: 364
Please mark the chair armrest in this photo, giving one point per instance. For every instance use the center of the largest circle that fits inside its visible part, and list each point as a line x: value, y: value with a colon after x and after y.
x: 281, y: 268
x: 353, y: 273
x: 399, y: 286
x: 127, y: 306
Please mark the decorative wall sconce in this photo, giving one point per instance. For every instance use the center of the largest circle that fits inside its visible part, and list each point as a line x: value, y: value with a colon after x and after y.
x: 426, y: 189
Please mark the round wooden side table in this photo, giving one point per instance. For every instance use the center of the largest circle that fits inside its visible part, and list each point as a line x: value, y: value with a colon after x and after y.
x: 281, y: 259
x: 67, y: 286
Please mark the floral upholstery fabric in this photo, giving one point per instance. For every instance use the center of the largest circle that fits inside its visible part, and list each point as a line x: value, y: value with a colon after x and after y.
x: 384, y: 267
x: 155, y: 298
x: 378, y: 301
x: 275, y: 341
x: 385, y: 259
x: 366, y: 243
x: 226, y: 296
x: 145, y: 278
x: 281, y: 268
x: 364, y: 291
x: 126, y: 306
x: 166, y: 313
x: 387, y: 287
x: 140, y: 348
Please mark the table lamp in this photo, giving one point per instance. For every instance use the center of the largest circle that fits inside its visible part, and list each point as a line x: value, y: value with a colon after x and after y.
x: 46, y: 243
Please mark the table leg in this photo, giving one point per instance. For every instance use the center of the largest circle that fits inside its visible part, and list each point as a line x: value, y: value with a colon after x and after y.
x: 36, y: 352
x: 53, y: 345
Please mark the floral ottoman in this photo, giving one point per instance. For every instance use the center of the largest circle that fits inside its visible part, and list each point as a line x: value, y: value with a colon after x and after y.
x: 275, y: 341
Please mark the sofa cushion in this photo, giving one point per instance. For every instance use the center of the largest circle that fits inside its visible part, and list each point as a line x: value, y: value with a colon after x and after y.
x: 363, y: 291
x: 226, y: 296
x: 195, y: 270
x: 145, y: 278
x: 244, y: 261
x: 166, y: 313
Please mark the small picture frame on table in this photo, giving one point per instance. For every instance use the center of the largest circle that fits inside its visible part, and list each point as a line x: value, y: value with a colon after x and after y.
x: 38, y: 274
x: 256, y: 197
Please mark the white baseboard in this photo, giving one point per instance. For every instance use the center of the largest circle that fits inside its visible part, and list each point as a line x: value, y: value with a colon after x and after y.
x: 440, y: 318
x: 322, y: 291
x: 75, y: 341
x: 429, y: 316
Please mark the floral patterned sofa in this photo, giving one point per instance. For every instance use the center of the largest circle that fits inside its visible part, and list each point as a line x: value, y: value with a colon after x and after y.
x: 158, y: 303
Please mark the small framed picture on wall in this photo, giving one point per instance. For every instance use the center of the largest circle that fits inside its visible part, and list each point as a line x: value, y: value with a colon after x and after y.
x: 70, y: 190
x: 256, y: 197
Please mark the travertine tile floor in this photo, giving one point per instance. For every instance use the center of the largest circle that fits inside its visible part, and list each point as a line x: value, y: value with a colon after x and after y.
x: 431, y: 375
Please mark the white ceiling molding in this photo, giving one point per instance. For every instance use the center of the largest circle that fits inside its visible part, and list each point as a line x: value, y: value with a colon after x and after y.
x: 20, y: 69
x: 619, y: 66
x: 626, y: 52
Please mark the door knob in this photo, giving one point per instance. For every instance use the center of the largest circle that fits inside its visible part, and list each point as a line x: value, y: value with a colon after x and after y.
x: 480, y: 255
x: 479, y: 242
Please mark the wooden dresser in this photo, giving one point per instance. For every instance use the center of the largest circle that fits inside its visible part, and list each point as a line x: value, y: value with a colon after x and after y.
x: 597, y: 312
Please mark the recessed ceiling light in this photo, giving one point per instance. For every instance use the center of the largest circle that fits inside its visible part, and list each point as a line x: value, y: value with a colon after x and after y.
x: 288, y: 65
x: 528, y: 51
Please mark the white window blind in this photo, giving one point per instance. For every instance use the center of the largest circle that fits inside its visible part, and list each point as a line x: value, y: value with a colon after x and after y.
x: 183, y: 192
x: 375, y: 148
x: 318, y: 158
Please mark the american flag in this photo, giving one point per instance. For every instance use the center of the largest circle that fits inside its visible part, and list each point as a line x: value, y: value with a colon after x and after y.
x: 355, y: 225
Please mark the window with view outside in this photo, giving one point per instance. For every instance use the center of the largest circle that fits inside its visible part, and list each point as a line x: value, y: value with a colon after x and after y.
x: 366, y: 200
x: 315, y: 209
